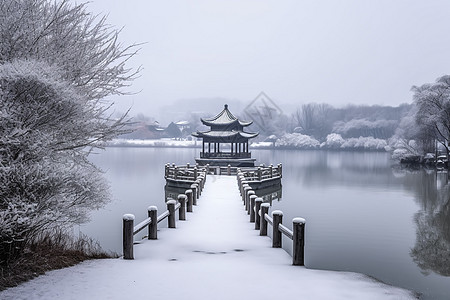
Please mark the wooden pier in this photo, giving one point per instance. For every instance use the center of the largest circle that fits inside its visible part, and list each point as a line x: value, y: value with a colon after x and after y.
x: 257, y: 210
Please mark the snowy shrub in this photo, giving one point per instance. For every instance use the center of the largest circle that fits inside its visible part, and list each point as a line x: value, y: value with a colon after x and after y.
x: 297, y: 140
x: 365, y: 143
x: 333, y: 141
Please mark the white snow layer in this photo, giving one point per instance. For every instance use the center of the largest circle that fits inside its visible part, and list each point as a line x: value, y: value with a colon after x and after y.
x: 215, y: 254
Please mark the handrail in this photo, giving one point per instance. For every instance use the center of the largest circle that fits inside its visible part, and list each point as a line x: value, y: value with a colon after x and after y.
x: 259, y: 214
x: 141, y: 225
x: 189, y: 198
x: 162, y: 216
x: 286, y: 231
x: 268, y: 219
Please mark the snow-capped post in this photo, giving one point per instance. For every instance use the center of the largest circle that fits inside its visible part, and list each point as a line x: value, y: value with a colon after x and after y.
x: 195, y: 173
x: 259, y: 174
x: 171, y: 208
x: 175, y: 171
x: 280, y: 170
x: 258, y: 202
x: 153, y: 225
x: 166, y: 170
x: 194, y: 193
x: 229, y: 170
x: 187, y: 166
x: 252, y: 208
x: 263, y: 222
x: 199, y: 188
x: 182, y: 212
x: 207, y: 168
x: 271, y: 170
x: 298, y: 244
x: 277, y: 216
x: 244, y: 194
x: 128, y: 227
x: 247, y: 203
x: 189, y: 201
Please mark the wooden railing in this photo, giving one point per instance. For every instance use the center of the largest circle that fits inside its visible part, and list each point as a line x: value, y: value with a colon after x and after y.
x: 259, y: 214
x: 183, y: 172
x: 262, y: 172
x: 225, y: 155
x: 185, y: 204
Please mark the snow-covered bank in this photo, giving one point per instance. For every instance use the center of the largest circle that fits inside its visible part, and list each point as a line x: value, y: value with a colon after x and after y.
x: 154, y: 143
x: 287, y: 141
x: 215, y: 254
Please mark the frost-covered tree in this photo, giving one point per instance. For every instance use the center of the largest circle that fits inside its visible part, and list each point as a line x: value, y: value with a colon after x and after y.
x: 433, y: 109
x: 57, y: 63
x: 314, y: 119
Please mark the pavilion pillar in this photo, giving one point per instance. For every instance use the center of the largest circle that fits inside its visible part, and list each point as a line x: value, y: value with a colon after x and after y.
x: 231, y: 149
x: 215, y: 148
x: 209, y: 147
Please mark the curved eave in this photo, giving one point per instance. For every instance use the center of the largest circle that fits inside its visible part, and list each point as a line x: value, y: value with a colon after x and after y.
x: 245, y: 123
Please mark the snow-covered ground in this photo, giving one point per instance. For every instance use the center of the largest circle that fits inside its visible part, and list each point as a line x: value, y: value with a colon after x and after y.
x: 215, y: 254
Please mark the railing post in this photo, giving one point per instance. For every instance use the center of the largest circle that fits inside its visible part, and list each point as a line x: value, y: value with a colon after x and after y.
x: 194, y: 193
x: 175, y: 172
x: 153, y: 225
x: 128, y: 227
x: 263, y: 225
x: 199, y: 190
x: 171, y: 208
x: 195, y: 173
x: 189, y: 201
x: 298, y: 243
x: 247, y: 204
x: 207, y: 168
x: 277, y: 216
x: 182, y: 212
x: 271, y: 170
x: 280, y: 170
x: 258, y: 202
x: 244, y: 194
x: 166, y: 170
x: 259, y: 174
x: 229, y: 170
x: 187, y: 166
x: 252, y: 208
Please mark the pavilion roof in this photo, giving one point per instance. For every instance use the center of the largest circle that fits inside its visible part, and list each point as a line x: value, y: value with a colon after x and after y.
x: 225, y: 117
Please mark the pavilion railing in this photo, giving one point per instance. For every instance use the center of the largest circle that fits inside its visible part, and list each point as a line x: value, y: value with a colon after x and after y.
x: 225, y: 155
x: 184, y: 172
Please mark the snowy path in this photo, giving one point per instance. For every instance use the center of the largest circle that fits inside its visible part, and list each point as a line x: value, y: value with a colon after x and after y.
x: 215, y: 254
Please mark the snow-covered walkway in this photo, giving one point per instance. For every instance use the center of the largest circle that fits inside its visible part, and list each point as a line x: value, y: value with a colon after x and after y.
x: 215, y: 254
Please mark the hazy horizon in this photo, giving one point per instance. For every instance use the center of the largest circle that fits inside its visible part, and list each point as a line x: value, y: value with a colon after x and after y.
x: 335, y: 52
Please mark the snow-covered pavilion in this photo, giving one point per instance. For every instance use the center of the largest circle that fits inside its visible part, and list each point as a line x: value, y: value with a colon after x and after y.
x: 225, y: 142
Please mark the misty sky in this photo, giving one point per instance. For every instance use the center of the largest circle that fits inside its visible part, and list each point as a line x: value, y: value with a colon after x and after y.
x: 338, y: 52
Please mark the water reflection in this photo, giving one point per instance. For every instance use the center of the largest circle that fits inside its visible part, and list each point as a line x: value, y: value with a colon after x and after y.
x: 270, y: 194
x: 431, y: 251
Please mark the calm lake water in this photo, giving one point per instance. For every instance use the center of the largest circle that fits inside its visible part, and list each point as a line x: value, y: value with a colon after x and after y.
x: 363, y: 214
